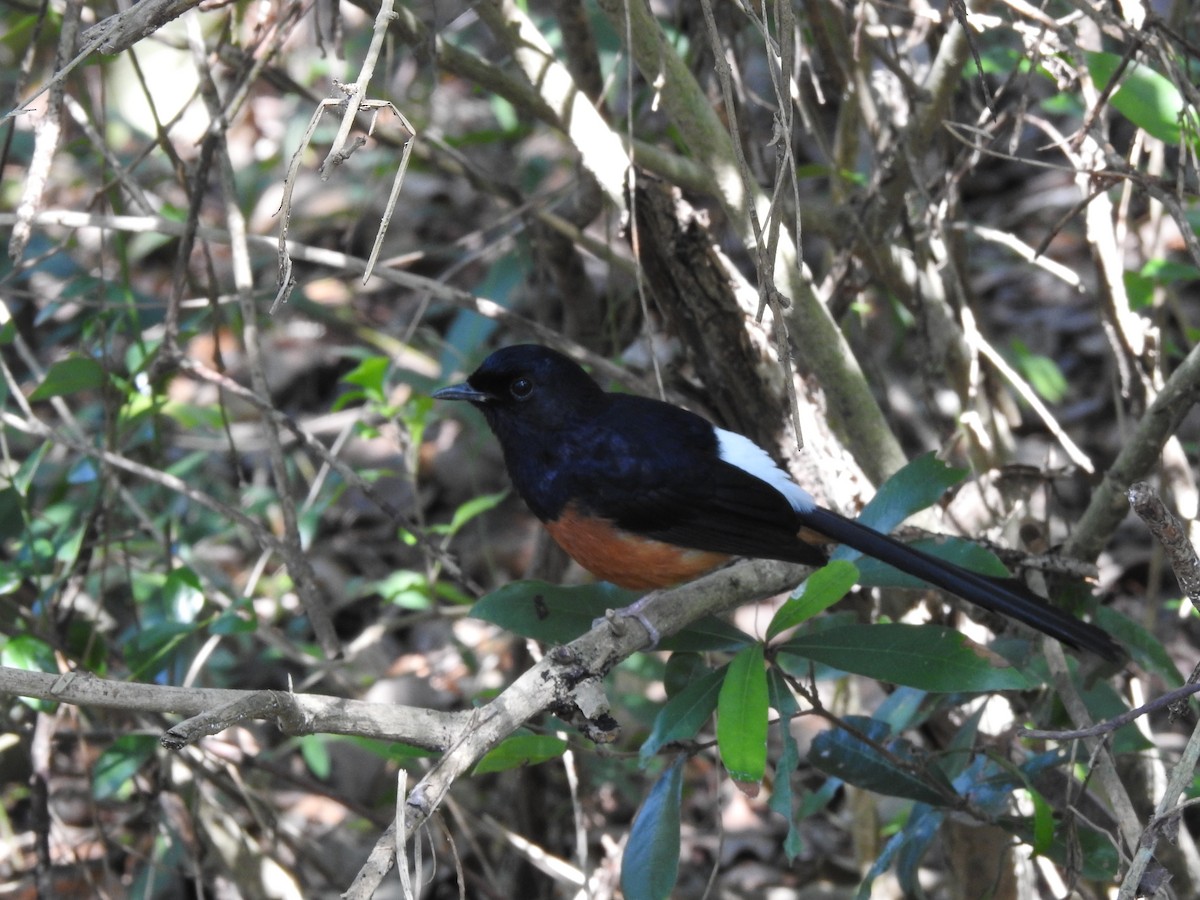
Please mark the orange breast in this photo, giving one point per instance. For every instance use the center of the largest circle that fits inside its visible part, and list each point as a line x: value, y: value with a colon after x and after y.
x: 628, y: 560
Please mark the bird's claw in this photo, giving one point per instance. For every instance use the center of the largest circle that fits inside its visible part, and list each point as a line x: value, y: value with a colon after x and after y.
x: 614, y: 618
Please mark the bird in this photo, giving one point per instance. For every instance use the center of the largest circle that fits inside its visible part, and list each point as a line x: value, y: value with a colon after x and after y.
x: 648, y: 495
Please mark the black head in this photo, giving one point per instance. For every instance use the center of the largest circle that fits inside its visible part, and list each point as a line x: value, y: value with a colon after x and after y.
x: 528, y: 384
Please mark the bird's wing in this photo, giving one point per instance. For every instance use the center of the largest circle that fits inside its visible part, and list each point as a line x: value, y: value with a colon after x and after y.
x: 711, y: 506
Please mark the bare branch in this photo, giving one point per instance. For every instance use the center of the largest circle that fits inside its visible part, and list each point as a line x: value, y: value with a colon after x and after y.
x: 295, y: 713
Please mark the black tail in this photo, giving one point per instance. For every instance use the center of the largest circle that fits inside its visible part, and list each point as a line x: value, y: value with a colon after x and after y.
x: 1007, y: 597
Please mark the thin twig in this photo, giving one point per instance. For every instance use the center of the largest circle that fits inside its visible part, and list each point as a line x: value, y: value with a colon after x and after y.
x: 357, y: 92
x: 1027, y: 393
x: 1108, y: 726
x: 297, y: 561
x: 345, y: 262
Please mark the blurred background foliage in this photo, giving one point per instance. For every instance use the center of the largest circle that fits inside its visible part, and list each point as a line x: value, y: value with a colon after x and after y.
x: 995, y: 215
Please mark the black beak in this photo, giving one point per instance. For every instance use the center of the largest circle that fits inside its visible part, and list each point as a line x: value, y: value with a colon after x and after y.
x: 462, y: 391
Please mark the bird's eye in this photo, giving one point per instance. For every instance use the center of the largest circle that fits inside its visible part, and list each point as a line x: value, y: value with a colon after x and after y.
x: 521, y: 388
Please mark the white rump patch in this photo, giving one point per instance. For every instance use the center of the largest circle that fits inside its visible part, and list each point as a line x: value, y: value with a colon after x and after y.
x: 742, y: 452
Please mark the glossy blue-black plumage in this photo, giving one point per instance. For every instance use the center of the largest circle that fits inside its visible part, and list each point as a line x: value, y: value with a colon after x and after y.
x: 646, y: 466
x: 655, y: 471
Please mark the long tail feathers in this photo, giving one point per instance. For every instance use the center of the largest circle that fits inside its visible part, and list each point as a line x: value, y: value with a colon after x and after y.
x: 1007, y: 597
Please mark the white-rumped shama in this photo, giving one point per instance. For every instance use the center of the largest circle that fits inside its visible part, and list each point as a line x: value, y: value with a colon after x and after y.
x: 647, y: 495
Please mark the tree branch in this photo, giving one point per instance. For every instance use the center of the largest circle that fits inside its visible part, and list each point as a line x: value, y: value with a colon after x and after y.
x: 1138, y: 456
x: 560, y: 675
x: 295, y: 713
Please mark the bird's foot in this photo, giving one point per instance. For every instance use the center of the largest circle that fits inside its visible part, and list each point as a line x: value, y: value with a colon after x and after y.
x: 615, y: 619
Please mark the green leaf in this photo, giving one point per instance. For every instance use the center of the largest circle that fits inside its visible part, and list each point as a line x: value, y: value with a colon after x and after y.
x: 505, y: 113
x: 650, y: 863
x: 682, y: 669
x: 912, y: 844
x: 113, y: 773
x: 960, y: 551
x: 917, y: 486
x: 314, y: 748
x: 153, y: 648
x: 69, y: 376
x: 415, y: 414
x: 393, y: 751
x: 87, y: 641
x: 742, y: 716
x: 68, y: 543
x: 558, y: 614
x: 820, y: 590
x: 24, y: 651
x: 521, y: 750
x: 818, y: 800
x: 1089, y: 851
x: 902, y: 709
x: 12, y: 513
x: 1169, y: 271
x: 706, y: 635
x: 1104, y: 703
x: 1043, y: 822
x: 959, y: 751
x: 1139, y: 288
x: 183, y: 595
x: 404, y: 588
x: 471, y: 509
x: 29, y: 468
x: 1042, y: 373
x: 782, y: 802
x: 844, y: 755
x: 469, y: 331
x: 988, y: 785
x: 193, y: 417
x: 1146, y: 98
x: 1140, y: 285
x: 927, y: 657
x: 549, y: 612
x: 238, y: 619
x: 12, y: 576
x: 1146, y: 649
x: 1003, y: 61
x: 682, y: 717
x: 370, y: 375
x: 188, y: 467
